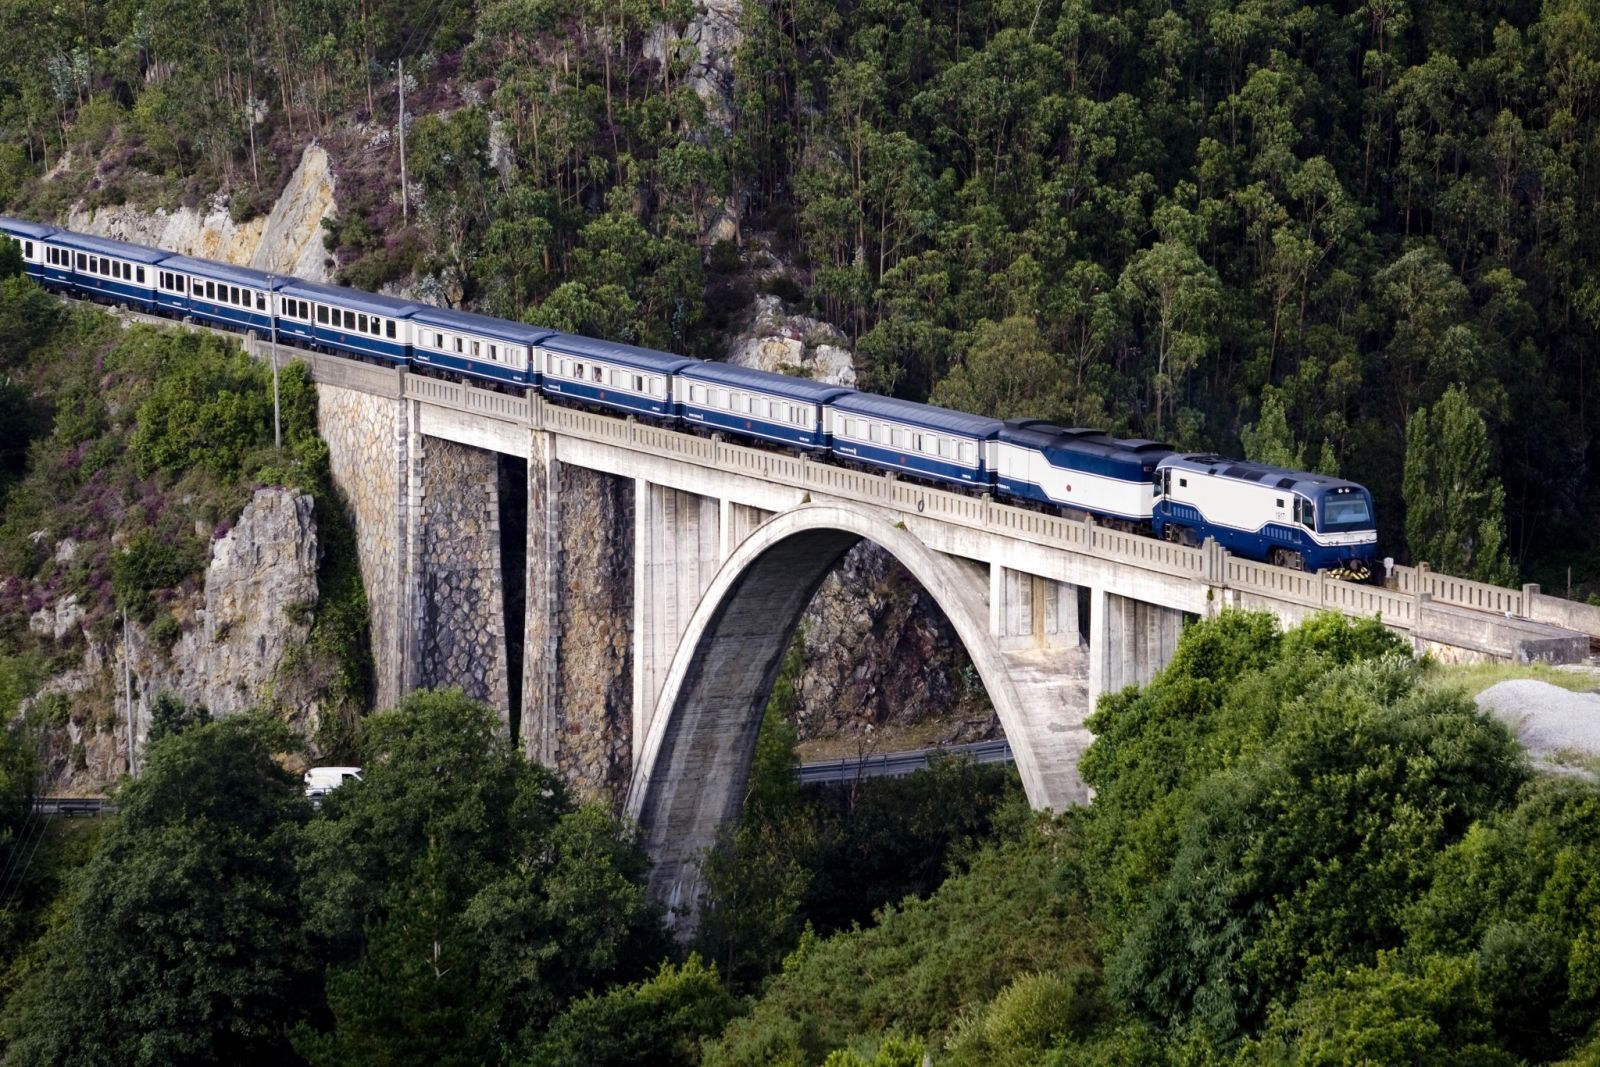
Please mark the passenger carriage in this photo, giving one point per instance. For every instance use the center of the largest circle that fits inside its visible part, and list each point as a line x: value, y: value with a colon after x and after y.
x: 1290, y: 518
x: 610, y: 375
x: 216, y: 294
x: 30, y: 238
x: 345, y: 320
x: 919, y: 439
x: 756, y: 403
x: 476, y: 345
x: 1082, y: 469
x: 113, y: 272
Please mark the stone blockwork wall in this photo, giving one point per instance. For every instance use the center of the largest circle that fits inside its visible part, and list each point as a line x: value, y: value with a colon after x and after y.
x: 367, y: 452
x: 578, y: 668
x: 459, y: 608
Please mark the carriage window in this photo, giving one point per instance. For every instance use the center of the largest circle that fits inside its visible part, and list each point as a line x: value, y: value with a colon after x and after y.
x: 350, y: 320
x: 361, y: 323
x: 1183, y: 483
x: 658, y: 387
x: 880, y: 433
x: 211, y: 290
x: 898, y: 437
x: 139, y: 275
x: 638, y: 383
x: 697, y: 394
x: 459, y: 346
x: 388, y: 328
x: 475, y: 349
x: 969, y: 453
x: 27, y: 249
x: 597, y: 374
x: 83, y: 261
x: 322, y: 314
x: 261, y: 301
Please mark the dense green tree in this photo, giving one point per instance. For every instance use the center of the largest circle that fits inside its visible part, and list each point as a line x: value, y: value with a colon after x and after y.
x: 660, y: 1020
x: 182, y: 942
x: 1254, y: 792
x: 1455, y: 508
x: 459, y: 896
x: 1007, y: 373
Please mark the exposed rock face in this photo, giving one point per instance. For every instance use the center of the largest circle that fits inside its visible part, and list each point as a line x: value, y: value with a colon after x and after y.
x: 289, y: 240
x: 793, y: 344
x: 879, y: 652
x: 260, y: 596
x: 244, y: 628
x: 706, y: 50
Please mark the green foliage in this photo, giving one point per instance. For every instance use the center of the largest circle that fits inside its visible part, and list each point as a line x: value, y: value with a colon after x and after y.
x: 1454, y: 507
x: 1309, y: 773
x: 1031, y: 1016
x: 459, y: 897
x: 151, y: 562
x: 1012, y: 912
x: 170, y: 715
x: 211, y: 407
x: 181, y: 944
x: 660, y: 1020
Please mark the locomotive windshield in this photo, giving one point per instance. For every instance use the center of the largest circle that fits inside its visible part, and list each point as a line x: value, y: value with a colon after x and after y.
x: 1346, y: 512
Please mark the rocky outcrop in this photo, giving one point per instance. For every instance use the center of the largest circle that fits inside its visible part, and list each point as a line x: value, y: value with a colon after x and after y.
x: 792, y: 344
x: 243, y: 644
x: 879, y: 652
x: 289, y: 240
x: 260, y: 596
x: 704, y: 52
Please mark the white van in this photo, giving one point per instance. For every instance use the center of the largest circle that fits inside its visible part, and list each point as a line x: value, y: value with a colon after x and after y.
x: 321, y: 780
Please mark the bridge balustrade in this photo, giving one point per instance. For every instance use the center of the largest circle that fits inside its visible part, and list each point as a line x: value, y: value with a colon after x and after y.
x: 1397, y: 606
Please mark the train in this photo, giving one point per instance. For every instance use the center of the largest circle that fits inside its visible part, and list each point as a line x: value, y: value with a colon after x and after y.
x: 1296, y: 519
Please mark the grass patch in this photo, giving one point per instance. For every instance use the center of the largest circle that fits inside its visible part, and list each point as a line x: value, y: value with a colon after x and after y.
x: 1476, y: 677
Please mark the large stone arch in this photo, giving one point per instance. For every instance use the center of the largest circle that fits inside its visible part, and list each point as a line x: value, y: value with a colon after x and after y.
x: 692, y: 768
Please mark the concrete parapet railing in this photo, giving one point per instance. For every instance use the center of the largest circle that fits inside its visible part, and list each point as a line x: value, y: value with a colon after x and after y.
x: 1572, y: 614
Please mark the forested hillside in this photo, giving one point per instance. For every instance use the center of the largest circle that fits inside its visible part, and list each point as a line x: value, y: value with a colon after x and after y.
x: 1269, y: 227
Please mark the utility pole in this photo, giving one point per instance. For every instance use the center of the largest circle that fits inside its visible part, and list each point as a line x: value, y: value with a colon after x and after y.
x: 405, y: 200
x: 127, y: 687
x: 272, y: 315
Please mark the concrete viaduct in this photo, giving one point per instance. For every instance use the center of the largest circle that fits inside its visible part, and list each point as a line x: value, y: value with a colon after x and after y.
x: 633, y: 637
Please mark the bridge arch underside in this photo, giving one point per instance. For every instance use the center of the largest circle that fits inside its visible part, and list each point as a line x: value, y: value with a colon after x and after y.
x: 693, y: 767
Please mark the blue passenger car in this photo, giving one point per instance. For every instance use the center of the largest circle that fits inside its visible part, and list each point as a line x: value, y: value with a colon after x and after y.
x: 30, y: 238
x: 756, y: 403
x: 1080, y: 469
x: 346, y: 321
x: 936, y: 443
x: 216, y: 294
x: 477, y: 345
x: 610, y: 375
x: 113, y: 272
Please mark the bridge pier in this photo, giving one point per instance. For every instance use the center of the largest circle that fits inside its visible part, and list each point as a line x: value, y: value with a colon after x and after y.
x: 578, y: 650
x: 1129, y: 641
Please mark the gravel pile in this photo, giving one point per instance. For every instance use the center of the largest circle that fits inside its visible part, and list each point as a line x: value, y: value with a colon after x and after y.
x: 1560, y: 729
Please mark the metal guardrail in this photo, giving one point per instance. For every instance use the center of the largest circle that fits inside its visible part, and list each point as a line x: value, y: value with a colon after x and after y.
x: 896, y: 764
x: 71, y: 806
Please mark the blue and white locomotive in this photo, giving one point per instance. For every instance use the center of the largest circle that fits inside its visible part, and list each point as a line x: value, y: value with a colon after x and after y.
x: 1291, y: 518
